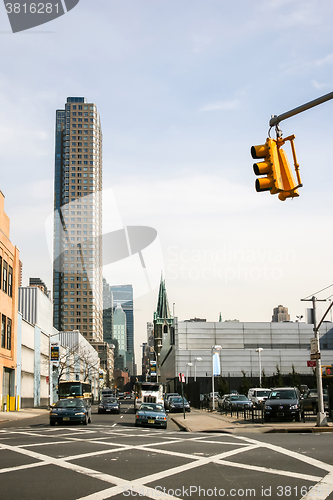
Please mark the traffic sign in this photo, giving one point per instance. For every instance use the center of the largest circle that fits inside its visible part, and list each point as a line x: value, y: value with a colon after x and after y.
x: 313, y: 344
x: 315, y: 356
x: 312, y: 363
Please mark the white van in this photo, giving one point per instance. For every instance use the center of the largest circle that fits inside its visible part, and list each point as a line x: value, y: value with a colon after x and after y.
x: 258, y: 395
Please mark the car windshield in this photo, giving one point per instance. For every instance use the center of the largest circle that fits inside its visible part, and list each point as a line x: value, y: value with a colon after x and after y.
x: 70, y: 403
x: 261, y: 394
x: 283, y: 394
x: 239, y: 398
x: 178, y: 400
x: 151, y: 407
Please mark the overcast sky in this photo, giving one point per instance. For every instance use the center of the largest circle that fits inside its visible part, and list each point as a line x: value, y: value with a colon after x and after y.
x: 184, y: 89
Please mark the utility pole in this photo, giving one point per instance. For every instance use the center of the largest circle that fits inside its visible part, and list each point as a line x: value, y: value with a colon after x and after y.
x: 321, y: 415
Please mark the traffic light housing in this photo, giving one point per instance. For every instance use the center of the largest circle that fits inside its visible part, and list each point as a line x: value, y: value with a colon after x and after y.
x: 270, y: 166
x: 327, y: 371
x: 279, y: 177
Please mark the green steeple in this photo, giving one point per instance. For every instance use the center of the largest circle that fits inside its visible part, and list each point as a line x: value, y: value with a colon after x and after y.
x: 162, y: 310
x: 220, y: 320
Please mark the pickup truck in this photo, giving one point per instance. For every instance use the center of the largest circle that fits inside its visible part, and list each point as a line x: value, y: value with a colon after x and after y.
x: 309, y: 402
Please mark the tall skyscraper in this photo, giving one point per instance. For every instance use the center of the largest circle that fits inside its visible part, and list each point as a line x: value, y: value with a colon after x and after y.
x: 107, y: 312
x: 123, y: 295
x: 77, y: 268
x: 119, y: 328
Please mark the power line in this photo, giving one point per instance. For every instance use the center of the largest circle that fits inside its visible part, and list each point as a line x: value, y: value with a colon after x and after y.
x: 313, y: 294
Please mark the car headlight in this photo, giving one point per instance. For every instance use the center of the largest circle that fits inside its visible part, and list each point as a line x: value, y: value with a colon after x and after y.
x: 53, y: 412
x: 294, y: 407
x: 80, y: 413
x: 267, y: 407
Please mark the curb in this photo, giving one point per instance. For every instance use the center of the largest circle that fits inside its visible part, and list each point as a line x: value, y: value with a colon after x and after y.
x: 309, y: 430
x: 181, y: 426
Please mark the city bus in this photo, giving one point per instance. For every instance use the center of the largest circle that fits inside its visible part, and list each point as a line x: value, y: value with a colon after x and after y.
x: 75, y: 389
x: 147, y: 392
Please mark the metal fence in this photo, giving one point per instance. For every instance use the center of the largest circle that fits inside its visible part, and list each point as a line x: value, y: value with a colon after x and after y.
x: 256, y: 414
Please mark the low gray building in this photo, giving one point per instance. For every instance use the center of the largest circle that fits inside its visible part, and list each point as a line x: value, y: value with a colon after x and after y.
x: 284, y: 344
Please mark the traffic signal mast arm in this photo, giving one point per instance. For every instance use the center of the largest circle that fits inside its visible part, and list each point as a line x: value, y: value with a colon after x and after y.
x: 279, y: 176
x: 275, y: 120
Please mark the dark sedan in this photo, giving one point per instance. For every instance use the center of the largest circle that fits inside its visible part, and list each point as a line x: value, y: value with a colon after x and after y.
x: 70, y: 410
x: 151, y: 414
x: 109, y: 405
x: 234, y: 401
x: 283, y: 403
x: 178, y: 404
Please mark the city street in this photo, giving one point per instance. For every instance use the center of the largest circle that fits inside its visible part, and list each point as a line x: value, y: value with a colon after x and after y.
x: 110, y: 458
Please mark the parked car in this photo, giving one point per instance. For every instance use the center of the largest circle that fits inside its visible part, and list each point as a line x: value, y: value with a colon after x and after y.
x: 220, y: 401
x: 234, y: 401
x: 109, y: 405
x: 151, y: 414
x: 177, y: 404
x: 70, y: 410
x: 121, y: 395
x: 283, y: 403
x: 167, y: 396
x: 258, y: 396
x: 309, y: 402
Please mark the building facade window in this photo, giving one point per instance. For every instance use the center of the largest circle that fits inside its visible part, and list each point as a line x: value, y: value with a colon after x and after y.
x: 3, y: 331
x: 4, y: 276
x: 9, y: 334
x: 10, y: 281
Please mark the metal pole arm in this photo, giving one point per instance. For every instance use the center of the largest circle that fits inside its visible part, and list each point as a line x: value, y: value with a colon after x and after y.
x: 322, y: 319
x: 277, y: 119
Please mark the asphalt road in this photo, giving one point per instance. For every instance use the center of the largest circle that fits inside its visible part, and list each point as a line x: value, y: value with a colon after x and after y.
x: 110, y: 458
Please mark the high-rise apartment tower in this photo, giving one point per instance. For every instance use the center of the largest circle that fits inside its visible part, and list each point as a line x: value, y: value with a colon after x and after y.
x: 77, y: 268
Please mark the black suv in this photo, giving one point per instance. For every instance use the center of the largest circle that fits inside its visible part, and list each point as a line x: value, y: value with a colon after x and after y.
x: 283, y: 403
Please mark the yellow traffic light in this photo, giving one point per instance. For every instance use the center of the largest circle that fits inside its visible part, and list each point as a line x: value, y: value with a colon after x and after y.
x: 279, y: 176
x: 326, y: 371
x: 270, y: 166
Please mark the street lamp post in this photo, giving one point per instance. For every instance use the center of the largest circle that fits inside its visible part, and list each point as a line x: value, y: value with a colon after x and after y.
x: 259, y: 351
x: 195, y: 368
x: 215, y: 348
x: 188, y: 365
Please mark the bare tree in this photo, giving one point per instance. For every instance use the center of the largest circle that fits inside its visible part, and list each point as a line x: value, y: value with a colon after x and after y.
x: 77, y: 359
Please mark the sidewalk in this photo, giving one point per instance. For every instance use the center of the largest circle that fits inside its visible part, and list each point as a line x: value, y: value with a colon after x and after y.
x: 205, y: 421
x: 6, y: 416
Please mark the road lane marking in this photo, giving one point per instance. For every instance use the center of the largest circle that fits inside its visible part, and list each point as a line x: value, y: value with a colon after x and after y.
x: 293, y: 454
x: 297, y: 475
x: 244, y: 444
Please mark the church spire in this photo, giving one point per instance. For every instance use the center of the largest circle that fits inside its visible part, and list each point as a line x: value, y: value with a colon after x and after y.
x: 162, y: 309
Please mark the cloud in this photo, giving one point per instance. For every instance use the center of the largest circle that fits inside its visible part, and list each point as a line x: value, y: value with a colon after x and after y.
x: 221, y: 105
x: 318, y: 85
x: 326, y: 60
